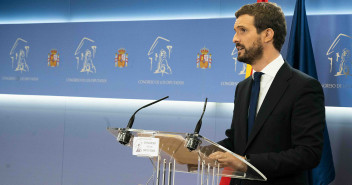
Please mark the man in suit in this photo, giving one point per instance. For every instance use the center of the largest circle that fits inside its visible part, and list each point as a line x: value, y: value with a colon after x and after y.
x: 279, y: 112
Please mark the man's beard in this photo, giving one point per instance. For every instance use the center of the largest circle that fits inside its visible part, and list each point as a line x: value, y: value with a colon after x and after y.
x: 249, y: 56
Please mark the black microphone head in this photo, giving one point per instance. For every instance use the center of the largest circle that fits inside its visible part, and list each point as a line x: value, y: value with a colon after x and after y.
x: 130, y: 122
x: 199, y: 124
x: 192, y: 142
x: 124, y: 136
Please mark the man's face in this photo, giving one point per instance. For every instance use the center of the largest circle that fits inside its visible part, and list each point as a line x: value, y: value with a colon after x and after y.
x: 248, y: 41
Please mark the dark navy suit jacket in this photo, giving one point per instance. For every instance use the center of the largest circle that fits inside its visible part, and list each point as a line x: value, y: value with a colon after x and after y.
x: 287, y: 136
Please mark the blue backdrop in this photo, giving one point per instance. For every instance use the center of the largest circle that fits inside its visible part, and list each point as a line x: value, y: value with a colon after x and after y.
x: 162, y: 59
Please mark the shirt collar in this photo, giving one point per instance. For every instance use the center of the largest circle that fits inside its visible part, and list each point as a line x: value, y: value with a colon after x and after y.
x: 273, y: 67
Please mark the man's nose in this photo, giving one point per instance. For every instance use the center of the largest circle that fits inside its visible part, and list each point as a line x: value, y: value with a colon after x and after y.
x: 235, y: 39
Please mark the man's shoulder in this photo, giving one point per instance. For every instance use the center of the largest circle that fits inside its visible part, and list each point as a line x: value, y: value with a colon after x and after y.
x: 244, y: 81
x: 302, y: 77
x: 300, y: 80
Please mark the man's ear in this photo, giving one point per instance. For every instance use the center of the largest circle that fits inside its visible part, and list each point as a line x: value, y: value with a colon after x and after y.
x: 268, y: 35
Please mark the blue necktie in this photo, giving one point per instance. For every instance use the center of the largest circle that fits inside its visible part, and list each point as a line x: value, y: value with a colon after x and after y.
x: 253, y: 101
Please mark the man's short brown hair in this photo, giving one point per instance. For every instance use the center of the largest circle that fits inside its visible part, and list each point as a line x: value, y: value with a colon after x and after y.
x: 267, y: 15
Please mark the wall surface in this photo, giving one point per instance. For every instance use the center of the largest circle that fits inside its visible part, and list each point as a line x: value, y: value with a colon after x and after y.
x: 22, y: 11
x: 187, y: 60
x: 64, y: 141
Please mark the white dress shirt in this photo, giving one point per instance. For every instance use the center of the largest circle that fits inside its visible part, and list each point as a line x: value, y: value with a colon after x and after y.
x: 267, y: 78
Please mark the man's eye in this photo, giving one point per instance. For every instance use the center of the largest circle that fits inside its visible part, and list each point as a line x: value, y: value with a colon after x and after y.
x: 243, y: 30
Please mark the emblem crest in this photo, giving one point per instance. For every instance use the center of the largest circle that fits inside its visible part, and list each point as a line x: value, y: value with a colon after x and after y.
x: 339, y: 56
x: 121, y: 59
x: 19, y: 55
x: 85, y: 54
x: 53, y: 58
x: 204, y: 59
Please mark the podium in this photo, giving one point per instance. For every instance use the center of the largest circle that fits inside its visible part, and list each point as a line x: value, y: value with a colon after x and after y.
x: 168, y: 153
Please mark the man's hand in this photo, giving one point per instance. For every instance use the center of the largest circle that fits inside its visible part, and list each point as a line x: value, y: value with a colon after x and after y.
x: 226, y: 159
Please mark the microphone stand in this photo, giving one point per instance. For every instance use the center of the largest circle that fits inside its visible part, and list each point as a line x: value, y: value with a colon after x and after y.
x: 124, y: 136
x: 192, y: 140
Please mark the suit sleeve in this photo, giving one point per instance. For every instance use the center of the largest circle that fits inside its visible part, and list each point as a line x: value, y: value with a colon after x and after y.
x: 228, y: 142
x: 307, y: 125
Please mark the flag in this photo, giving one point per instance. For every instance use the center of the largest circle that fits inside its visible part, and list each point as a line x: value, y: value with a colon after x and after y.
x: 300, y: 56
x: 249, y: 71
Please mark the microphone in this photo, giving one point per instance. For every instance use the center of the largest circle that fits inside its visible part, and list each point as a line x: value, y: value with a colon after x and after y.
x: 130, y: 123
x: 124, y: 136
x: 192, y: 140
x: 199, y: 124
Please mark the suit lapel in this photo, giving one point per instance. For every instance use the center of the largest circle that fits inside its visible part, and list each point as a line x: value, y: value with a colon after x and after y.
x: 276, y: 91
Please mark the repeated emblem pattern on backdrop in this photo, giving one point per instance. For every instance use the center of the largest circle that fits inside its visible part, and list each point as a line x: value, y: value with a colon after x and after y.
x: 339, y: 56
x: 204, y: 59
x: 174, y: 58
x: 53, y: 58
x: 85, y: 54
x: 121, y: 59
x: 159, y: 55
x: 241, y: 71
x: 19, y: 55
